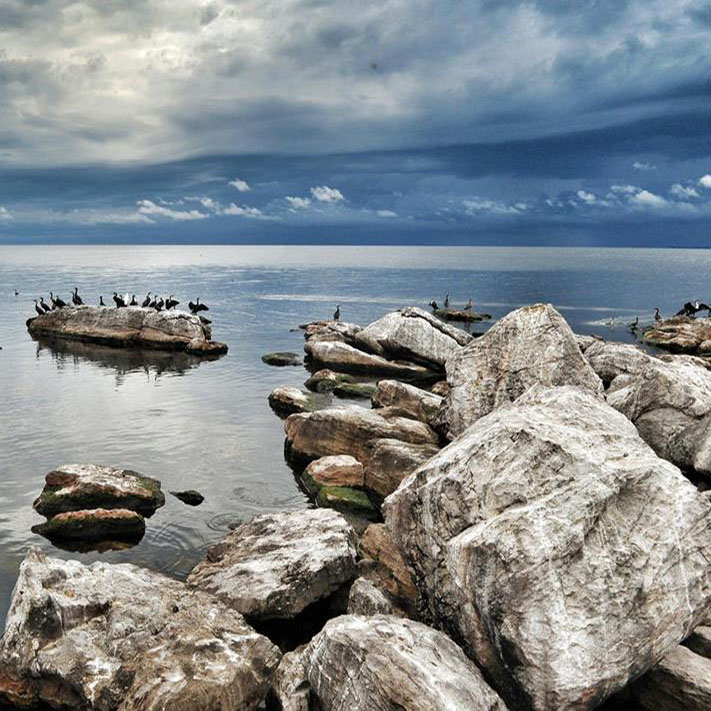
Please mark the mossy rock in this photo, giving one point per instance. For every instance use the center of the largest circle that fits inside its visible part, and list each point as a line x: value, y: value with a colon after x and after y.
x: 355, y: 391
x: 282, y: 359
x: 347, y: 499
x: 94, y: 525
x: 325, y: 380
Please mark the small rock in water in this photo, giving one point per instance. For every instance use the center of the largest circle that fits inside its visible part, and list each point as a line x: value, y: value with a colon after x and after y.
x: 336, y: 470
x: 354, y: 391
x: 189, y: 497
x: 286, y: 400
x: 283, y: 358
x: 94, y: 525
x: 325, y: 380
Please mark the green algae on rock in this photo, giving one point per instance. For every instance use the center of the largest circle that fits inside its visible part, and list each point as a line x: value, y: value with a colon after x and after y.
x: 94, y: 525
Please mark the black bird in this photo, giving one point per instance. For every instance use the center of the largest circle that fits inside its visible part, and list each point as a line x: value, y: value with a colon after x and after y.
x: 118, y: 301
x: 101, y: 301
x: 57, y: 303
x: 446, y: 301
x: 171, y: 303
x: 38, y: 308
x: 147, y: 300
x: 469, y: 305
x: 337, y: 313
x: 701, y: 306
x: 153, y: 302
x: 433, y: 304
x: 46, y: 307
x: 197, y: 306
x: 633, y: 326
x: 687, y: 310
x: 133, y: 300
x: 76, y: 299
x: 17, y: 293
x: 657, y: 315
x: 159, y: 304
x: 204, y: 320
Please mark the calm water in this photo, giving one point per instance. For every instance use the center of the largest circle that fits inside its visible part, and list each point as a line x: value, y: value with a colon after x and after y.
x: 207, y: 425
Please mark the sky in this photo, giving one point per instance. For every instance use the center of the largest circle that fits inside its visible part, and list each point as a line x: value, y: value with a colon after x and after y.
x: 388, y: 122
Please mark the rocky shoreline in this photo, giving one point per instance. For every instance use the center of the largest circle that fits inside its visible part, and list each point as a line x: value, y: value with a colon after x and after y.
x: 516, y: 526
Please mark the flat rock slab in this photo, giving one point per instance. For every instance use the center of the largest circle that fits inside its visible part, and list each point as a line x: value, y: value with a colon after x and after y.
x: 121, y: 637
x: 74, y: 487
x: 463, y: 315
x: 423, y: 405
x: 530, y: 346
x: 553, y: 543
x: 337, y: 470
x: 130, y: 327
x: 282, y: 359
x: 348, y: 430
x: 681, y: 334
x: 94, y: 525
x: 276, y: 565
x: 361, y: 663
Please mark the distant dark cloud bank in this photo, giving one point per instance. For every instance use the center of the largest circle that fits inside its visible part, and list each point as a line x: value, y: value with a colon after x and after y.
x: 392, y: 122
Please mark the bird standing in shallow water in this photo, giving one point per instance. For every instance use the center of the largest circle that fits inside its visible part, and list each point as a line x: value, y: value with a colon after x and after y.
x: 469, y: 305
x: 337, y: 313
x: 657, y: 315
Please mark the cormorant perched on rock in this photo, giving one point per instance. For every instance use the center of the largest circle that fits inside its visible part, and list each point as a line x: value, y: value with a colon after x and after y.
x: 433, y: 304
x: 133, y: 300
x: 76, y: 299
x: 38, y: 308
x: 469, y: 305
x: 657, y: 315
x: 152, y: 303
x: 687, y: 310
x: 101, y: 301
x: 446, y: 301
x: 46, y: 307
x: 337, y: 313
x: 171, y: 303
x: 701, y: 306
x: 120, y: 303
x: 159, y: 304
x: 204, y: 320
x: 197, y: 306
x: 147, y: 300
x: 57, y: 303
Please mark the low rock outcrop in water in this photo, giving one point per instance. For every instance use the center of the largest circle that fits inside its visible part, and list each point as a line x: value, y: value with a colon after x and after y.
x: 463, y: 315
x: 129, y: 327
x: 553, y: 543
x: 94, y: 525
x: 120, y: 637
x: 277, y: 565
x: 401, y: 664
x: 681, y: 334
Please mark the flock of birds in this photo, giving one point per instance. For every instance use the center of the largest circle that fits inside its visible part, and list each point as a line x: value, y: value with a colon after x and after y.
x: 152, y: 301
x: 435, y: 307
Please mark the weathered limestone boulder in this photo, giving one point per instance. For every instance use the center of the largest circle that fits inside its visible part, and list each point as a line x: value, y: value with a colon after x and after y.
x: 384, y: 565
x: 94, y: 525
x: 348, y: 500
x: 344, y: 357
x: 680, y: 682
x: 331, y: 331
x: 681, y: 334
x: 412, y: 334
x: 586, y: 341
x: 391, y: 460
x: 440, y: 388
x: 422, y: 404
x: 610, y: 360
x: 120, y: 637
x: 73, y: 487
x: 347, y: 430
x: 699, y: 641
x: 130, y: 327
x: 276, y: 565
x: 336, y: 470
x: 556, y: 547
x: 364, y: 598
x: 282, y: 359
x: 325, y: 380
x: 286, y: 400
x: 669, y: 403
x: 530, y: 346
x: 384, y: 662
x: 206, y: 349
x: 290, y: 687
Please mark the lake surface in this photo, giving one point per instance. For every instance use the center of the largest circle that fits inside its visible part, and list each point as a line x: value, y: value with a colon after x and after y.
x: 207, y: 426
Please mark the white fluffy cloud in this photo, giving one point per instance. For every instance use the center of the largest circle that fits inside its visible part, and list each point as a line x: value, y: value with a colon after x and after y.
x: 644, y: 198
x: 386, y: 213
x: 298, y: 202
x: 643, y: 166
x: 150, y: 208
x: 478, y: 205
x: 252, y: 213
x: 323, y: 193
x: 705, y: 181
x: 241, y: 185
x: 5, y: 214
x: 587, y: 197
x: 683, y: 192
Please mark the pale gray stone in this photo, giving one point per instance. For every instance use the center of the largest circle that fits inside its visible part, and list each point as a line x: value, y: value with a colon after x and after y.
x: 423, y: 404
x: 392, y: 460
x: 365, y: 598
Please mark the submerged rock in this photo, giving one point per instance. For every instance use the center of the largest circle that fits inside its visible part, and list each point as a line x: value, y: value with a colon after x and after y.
x: 530, y: 346
x: 128, y: 327
x: 325, y: 380
x: 276, y: 565
x: 412, y: 334
x: 286, y: 400
x: 73, y: 487
x: 94, y: 525
x: 348, y: 430
x: 681, y: 334
x: 422, y: 404
x: 189, y: 497
x: 553, y: 543
x: 343, y: 357
x: 120, y: 637
x: 354, y: 391
x: 384, y: 662
x: 348, y: 500
x: 282, y: 359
